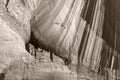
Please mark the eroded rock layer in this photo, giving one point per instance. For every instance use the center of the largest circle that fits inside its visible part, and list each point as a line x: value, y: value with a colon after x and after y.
x: 70, y: 40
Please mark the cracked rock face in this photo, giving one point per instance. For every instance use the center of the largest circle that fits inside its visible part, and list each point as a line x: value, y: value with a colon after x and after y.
x: 13, y: 34
x: 16, y: 63
x: 69, y: 31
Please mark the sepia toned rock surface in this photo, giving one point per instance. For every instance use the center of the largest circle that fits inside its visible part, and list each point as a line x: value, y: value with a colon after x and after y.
x: 59, y: 40
x: 16, y: 63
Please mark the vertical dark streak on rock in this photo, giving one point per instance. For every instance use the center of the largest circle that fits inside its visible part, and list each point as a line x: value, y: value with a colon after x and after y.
x: 51, y: 56
x: 7, y: 1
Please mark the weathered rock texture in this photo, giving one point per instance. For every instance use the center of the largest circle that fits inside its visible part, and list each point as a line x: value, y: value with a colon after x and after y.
x: 16, y: 63
x: 71, y: 39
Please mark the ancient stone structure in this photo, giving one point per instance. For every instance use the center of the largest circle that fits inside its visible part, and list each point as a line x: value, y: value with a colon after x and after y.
x: 59, y: 40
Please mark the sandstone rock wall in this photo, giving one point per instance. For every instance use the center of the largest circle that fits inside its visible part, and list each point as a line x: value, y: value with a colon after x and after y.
x: 77, y: 39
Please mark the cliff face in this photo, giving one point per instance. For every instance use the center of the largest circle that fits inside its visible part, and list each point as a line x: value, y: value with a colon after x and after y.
x: 16, y: 63
x: 14, y: 33
x: 71, y: 39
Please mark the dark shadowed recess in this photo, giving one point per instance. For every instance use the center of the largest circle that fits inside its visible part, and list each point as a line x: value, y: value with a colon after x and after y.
x: 34, y: 41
